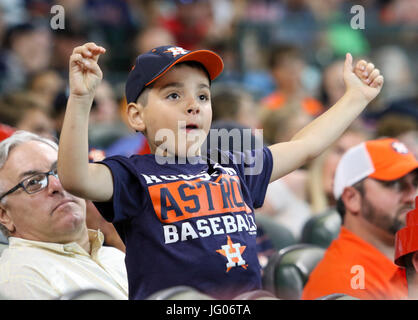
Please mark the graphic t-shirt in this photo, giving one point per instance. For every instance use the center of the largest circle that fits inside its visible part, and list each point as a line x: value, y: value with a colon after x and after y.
x: 189, y: 224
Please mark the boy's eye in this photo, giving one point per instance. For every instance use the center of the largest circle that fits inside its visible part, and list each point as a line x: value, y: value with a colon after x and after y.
x: 173, y: 96
x: 203, y: 97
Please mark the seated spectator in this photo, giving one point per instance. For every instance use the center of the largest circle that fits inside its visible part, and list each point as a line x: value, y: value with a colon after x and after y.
x: 375, y: 184
x: 332, y: 87
x: 46, y: 84
x: 322, y: 169
x: 286, y: 198
x: 286, y: 65
x: 106, y: 123
x: 406, y: 254
x: 191, y: 23
x: 235, y: 111
x: 26, y: 50
x: 24, y: 111
x: 150, y: 38
x: 51, y: 252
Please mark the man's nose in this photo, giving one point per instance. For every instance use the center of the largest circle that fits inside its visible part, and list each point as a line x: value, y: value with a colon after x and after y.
x: 410, y: 192
x: 54, y: 184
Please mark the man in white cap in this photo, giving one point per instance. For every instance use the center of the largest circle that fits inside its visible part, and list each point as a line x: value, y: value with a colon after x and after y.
x: 375, y: 186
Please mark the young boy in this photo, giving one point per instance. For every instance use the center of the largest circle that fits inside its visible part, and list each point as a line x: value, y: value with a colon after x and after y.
x: 192, y: 223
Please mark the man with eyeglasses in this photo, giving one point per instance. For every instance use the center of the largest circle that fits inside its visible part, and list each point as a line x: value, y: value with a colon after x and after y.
x: 375, y: 185
x: 51, y: 252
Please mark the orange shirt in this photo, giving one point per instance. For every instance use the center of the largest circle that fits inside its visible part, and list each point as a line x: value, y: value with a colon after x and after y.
x: 353, y: 266
x: 277, y: 100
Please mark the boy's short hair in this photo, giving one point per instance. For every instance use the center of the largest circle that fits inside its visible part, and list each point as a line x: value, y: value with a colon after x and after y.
x: 155, y: 63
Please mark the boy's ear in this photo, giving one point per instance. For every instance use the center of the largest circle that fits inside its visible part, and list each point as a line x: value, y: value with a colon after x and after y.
x: 6, y: 220
x: 135, y: 116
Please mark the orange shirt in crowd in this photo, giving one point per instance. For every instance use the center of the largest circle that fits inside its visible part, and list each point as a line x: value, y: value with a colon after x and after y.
x: 277, y: 100
x: 356, y: 268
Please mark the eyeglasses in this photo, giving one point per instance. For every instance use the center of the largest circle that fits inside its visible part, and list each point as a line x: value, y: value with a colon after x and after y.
x: 34, y: 183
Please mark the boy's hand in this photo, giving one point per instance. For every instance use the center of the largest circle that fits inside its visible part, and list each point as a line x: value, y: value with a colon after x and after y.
x: 365, y: 80
x: 85, y: 73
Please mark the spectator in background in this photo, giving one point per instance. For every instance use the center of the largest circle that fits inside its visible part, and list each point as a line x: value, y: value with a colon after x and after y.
x: 286, y: 65
x: 286, y: 199
x: 153, y: 37
x: 64, y: 41
x: 46, y: 84
x: 233, y: 107
x: 58, y: 110
x: 394, y: 61
x: 191, y: 23
x: 399, y: 12
x: 406, y: 251
x: 234, y: 120
x: 24, y: 111
x: 322, y: 169
x: 106, y: 123
x: 333, y: 87
x: 27, y: 49
x: 375, y: 184
x: 51, y: 252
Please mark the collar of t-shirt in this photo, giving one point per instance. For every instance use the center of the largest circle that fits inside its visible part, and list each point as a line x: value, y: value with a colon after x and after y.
x: 96, y: 239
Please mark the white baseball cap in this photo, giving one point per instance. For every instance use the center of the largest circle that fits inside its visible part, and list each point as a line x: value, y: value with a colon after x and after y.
x: 383, y: 159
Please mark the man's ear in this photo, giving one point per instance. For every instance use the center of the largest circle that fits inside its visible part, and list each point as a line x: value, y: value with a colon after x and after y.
x: 415, y: 261
x: 6, y: 219
x: 135, y: 116
x: 352, y: 200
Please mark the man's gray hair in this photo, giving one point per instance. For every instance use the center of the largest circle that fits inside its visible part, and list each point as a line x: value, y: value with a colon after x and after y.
x: 7, y: 145
x: 18, y: 138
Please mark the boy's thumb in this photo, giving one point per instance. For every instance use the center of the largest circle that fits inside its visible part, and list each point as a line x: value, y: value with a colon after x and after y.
x: 348, y: 63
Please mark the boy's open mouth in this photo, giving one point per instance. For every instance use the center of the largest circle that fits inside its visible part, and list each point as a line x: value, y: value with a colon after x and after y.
x: 191, y: 127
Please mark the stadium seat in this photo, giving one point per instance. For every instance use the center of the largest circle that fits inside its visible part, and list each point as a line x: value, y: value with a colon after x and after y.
x: 321, y: 229
x: 179, y: 293
x: 288, y: 270
x: 86, y: 294
x: 337, y: 296
x: 278, y: 234
x: 256, y: 295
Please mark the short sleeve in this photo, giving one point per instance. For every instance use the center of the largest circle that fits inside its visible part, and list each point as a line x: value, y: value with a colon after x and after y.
x: 258, y: 165
x: 128, y: 196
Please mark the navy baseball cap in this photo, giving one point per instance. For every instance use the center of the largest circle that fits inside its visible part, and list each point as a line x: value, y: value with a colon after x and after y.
x: 155, y: 63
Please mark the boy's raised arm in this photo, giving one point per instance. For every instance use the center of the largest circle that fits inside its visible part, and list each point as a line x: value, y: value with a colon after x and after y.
x: 363, y: 83
x: 77, y: 175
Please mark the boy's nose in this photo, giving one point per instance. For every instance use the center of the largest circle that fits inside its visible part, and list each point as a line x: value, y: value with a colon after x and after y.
x: 193, y: 107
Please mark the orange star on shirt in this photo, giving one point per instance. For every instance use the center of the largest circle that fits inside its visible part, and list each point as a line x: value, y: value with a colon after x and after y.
x: 233, y: 252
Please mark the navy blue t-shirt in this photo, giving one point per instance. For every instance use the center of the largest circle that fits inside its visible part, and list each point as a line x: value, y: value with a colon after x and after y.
x: 189, y: 224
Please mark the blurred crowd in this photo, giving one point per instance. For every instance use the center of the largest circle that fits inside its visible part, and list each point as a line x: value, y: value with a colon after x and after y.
x: 283, y: 58
x: 283, y: 67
